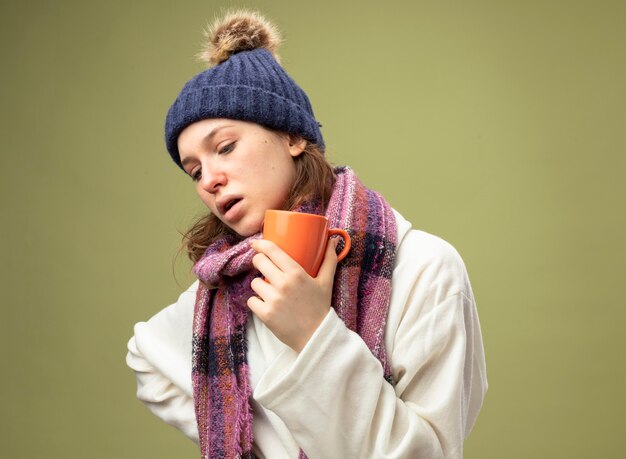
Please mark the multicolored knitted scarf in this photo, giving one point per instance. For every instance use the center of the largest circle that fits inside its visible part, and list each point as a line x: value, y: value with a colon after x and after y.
x: 361, y: 292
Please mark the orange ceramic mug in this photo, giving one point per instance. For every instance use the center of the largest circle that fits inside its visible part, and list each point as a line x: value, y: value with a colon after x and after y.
x: 302, y: 236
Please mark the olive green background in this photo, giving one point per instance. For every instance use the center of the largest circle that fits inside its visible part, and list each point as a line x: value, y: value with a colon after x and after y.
x: 496, y: 125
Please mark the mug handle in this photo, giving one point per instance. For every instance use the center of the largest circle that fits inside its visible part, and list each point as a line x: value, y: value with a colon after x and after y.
x: 346, y: 239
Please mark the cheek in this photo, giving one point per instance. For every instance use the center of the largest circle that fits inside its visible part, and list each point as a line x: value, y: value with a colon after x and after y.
x: 276, y: 187
x: 207, y: 199
x: 288, y: 178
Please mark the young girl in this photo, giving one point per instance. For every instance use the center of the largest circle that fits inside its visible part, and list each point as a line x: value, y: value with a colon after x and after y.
x: 379, y: 355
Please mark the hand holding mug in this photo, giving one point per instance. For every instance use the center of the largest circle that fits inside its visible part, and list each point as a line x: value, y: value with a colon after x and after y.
x: 302, y: 236
x: 298, y: 263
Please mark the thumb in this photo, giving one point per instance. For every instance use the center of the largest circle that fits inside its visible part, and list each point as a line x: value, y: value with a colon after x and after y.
x: 329, y: 265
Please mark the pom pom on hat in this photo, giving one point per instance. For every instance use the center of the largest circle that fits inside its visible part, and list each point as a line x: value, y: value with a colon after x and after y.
x: 239, y: 30
x: 245, y: 83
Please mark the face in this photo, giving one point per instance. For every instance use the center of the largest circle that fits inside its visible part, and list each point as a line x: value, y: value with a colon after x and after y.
x: 240, y: 169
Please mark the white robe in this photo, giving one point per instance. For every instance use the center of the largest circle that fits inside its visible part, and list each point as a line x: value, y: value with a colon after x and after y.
x: 331, y: 400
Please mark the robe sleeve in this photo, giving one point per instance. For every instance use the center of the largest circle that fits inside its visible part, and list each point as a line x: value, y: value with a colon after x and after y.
x: 160, y: 355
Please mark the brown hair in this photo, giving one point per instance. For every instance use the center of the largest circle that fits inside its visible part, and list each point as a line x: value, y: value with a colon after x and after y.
x: 314, y: 179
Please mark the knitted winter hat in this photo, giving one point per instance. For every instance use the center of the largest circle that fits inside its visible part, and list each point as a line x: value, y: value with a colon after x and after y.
x: 247, y: 83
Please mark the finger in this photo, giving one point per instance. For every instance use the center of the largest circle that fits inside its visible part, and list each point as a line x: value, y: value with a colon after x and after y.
x: 256, y: 305
x: 262, y: 288
x: 269, y: 270
x: 278, y: 256
x: 327, y: 270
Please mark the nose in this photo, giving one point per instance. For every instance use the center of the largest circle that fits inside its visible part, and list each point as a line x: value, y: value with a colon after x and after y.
x: 212, y: 179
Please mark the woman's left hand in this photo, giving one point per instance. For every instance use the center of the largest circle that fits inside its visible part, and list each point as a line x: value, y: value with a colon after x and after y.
x: 291, y: 303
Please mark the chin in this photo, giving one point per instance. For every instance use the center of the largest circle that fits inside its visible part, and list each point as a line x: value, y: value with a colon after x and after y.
x: 248, y: 230
x: 245, y: 234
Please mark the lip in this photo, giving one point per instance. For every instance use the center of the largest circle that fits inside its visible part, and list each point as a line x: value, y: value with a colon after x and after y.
x: 233, y: 212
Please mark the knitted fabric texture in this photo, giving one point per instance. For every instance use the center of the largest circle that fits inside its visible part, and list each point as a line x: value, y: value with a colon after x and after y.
x: 361, y: 293
x: 249, y: 86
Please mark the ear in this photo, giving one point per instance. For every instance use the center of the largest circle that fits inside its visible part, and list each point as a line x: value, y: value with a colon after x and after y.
x: 296, y: 145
